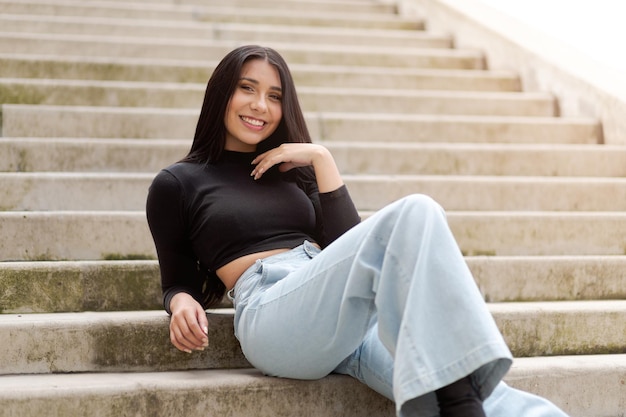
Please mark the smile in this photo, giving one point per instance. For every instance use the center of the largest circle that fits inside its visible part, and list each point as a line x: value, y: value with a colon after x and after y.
x: 253, y: 122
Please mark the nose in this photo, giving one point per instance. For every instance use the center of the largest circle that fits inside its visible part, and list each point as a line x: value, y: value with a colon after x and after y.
x: 259, y: 104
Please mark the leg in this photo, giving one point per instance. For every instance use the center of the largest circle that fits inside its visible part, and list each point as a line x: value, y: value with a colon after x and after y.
x: 372, y: 365
x: 403, y: 264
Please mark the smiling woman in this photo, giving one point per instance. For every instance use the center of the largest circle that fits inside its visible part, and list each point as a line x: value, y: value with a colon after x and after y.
x: 258, y: 210
x: 255, y: 109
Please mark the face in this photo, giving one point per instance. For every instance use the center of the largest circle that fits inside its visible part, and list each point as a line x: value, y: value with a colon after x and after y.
x: 255, y: 109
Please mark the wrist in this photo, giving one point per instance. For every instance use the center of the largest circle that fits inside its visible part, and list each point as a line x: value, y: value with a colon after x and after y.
x: 180, y: 299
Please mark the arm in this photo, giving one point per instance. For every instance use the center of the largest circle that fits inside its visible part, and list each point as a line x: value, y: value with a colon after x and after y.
x: 180, y: 278
x: 292, y: 155
x: 334, y: 207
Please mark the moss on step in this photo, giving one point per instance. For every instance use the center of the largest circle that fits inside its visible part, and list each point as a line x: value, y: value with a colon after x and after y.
x: 146, y: 346
x: 22, y: 164
x: 127, y: 257
x: 84, y: 287
x: 479, y: 252
x: 19, y: 94
x: 37, y: 290
x: 122, y: 287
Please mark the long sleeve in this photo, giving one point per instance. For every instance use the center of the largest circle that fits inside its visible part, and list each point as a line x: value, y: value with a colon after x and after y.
x: 338, y: 213
x: 335, y: 211
x: 177, y: 262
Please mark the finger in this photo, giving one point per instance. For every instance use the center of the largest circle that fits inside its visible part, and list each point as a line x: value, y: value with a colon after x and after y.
x: 199, y: 329
x: 204, y: 326
x: 263, y: 165
x: 187, y: 332
x: 179, y: 341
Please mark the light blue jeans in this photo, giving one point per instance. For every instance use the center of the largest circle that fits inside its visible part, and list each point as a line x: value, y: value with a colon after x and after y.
x: 391, y: 303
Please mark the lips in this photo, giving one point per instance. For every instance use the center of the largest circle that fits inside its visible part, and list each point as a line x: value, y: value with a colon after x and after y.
x: 253, y: 122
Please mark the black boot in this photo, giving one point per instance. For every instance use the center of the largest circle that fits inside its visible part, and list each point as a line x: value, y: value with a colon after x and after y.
x: 459, y: 399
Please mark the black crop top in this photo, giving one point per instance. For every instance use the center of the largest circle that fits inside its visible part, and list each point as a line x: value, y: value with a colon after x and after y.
x: 213, y: 214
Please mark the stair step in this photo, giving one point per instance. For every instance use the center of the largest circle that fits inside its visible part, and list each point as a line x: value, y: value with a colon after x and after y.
x: 122, y: 155
x: 245, y: 392
x: 251, y: 33
x: 129, y: 341
x: 492, y: 193
x: 478, y: 159
x: 211, y: 13
x: 134, y: 69
x: 138, y: 341
x: 67, y: 286
x: 50, y: 287
x: 364, y: 100
x: 89, y: 235
x: 193, y: 49
x: 343, y: 6
x: 339, y: 6
x: 549, y: 278
x: 135, y: 122
x: 83, y: 191
x: 236, y: 393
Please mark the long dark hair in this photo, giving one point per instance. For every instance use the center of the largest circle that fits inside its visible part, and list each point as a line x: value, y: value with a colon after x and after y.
x: 210, y: 137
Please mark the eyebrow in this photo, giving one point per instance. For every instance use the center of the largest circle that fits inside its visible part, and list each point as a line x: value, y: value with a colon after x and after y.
x: 256, y: 82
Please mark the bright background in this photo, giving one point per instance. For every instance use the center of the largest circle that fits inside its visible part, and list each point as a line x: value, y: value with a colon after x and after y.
x: 596, y: 28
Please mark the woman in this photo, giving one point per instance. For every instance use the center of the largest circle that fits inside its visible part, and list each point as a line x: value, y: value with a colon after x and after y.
x: 257, y: 210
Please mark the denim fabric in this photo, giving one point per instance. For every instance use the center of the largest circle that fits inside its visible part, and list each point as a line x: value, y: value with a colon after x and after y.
x: 391, y: 302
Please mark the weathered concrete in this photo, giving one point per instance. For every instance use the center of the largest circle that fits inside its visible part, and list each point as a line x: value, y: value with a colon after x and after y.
x: 245, y: 392
x: 20, y: 120
x: 358, y: 100
x: 125, y: 191
x: 212, y: 13
x: 97, y: 235
x: 112, y: 342
x: 199, y: 71
x: 121, y: 155
x: 49, y: 287
x: 549, y: 278
x: 237, y: 393
x: 66, y: 286
x: 194, y: 49
x: 251, y: 33
x: 139, y: 341
x: 342, y: 6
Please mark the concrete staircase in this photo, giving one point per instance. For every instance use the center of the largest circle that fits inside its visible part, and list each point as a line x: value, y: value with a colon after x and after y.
x: 97, y: 96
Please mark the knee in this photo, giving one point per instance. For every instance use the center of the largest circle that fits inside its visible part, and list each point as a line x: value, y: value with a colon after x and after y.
x: 423, y: 203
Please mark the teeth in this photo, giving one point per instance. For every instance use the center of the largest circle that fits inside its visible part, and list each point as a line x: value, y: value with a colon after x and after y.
x: 253, y: 121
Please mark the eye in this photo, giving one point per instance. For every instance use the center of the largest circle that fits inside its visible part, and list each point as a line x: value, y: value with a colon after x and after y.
x: 246, y: 87
x: 275, y: 97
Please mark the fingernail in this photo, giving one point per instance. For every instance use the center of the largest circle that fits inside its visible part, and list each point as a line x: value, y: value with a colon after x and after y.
x: 187, y: 351
x: 205, y: 330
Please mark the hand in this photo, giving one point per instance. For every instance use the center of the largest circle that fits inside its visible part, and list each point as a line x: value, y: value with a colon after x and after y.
x: 188, y: 324
x: 288, y: 155
x: 292, y: 155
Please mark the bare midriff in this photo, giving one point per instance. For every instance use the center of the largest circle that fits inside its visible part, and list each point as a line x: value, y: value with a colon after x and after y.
x: 230, y: 273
